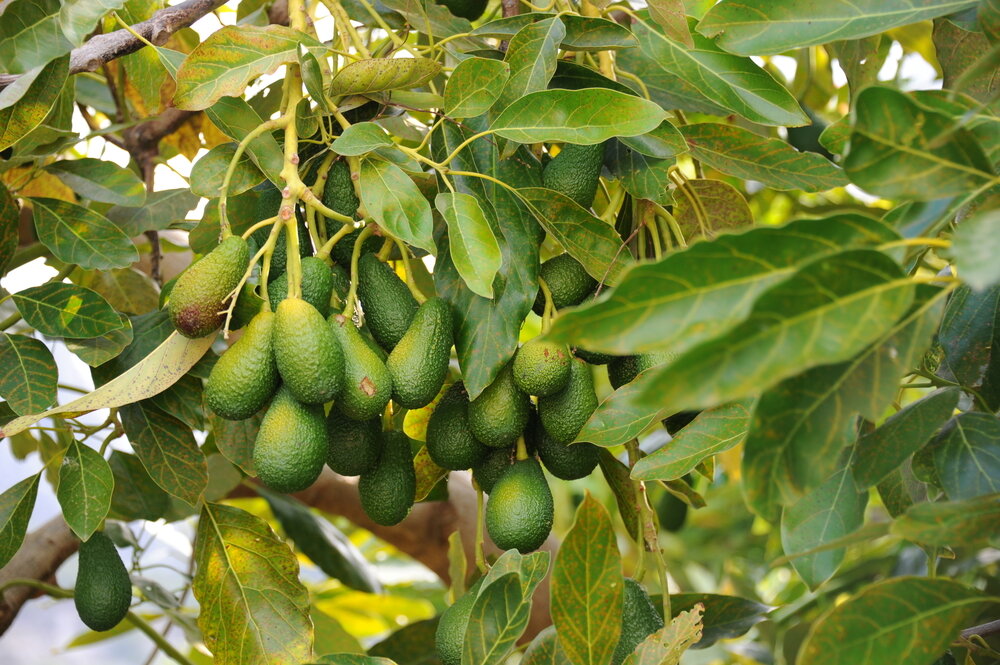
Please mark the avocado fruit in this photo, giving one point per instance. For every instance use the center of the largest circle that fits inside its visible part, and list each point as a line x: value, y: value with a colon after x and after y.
x: 354, y: 445
x: 291, y: 444
x: 450, y: 635
x: 317, y: 285
x: 248, y: 305
x: 541, y: 367
x: 309, y: 357
x: 575, y: 172
x: 103, y: 592
x: 564, y: 414
x: 806, y: 137
x: 593, y: 357
x: 201, y: 293
x: 499, y: 414
x: 495, y: 464
x: 450, y: 443
x: 568, y: 282
x: 419, y: 362
x: 367, y: 381
x: 467, y: 9
x: 388, y: 489
x: 344, y: 249
x: 624, y: 369
x: 387, y: 302
x: 671, y: 511
x: 341, y: 287
x: 519, y: 512
x: 339, y: 196
x: 639, y: 620
x: 245, y: 377
x: 564, y: 461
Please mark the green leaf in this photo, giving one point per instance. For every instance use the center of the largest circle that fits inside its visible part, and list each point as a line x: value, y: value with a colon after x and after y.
x: 724, y: 207
x: 254, y: 609
x: 16, y: 505
x: 587, y: 587
x: 100, y: 180
x: 583, y: 33
x: 78, y: 17
x: 967, y: 60
x: 364, y: 77
x: 975, y: 247
x: 712, y: 431
x: 967, y: 456
x: 323, y: 543
x: 474, y: 86
x: 831, y: 511
x: 475, y: 251
x: 863, y: 293
x: 918, y: 617
x: 330, y: 635
x: 235, y: 438
x: 392, y: 198
x: 10, y: 214
x: 617, y: 476
x: 726, y: 80
x: 413, y: 643
x: 162, y: 208
x: 585, y: 116
x: 498, y: 617
x: 899, y: 149
x: 236, y: 118
x: 98, y: 350
x: 127, y: 289
x: 671, y: 16
x: 30, y: 35
x: 667, y: 645
x: 590, y: 240
x: 209, y: 171
x: 136, y: 496
x: 19, y: 119
x: 880, y: 452
x: 79, y: 235
x: 545, y: 650
x: 361, y: 138
x: 85, y: 487
x: 686, y: 298
x: 230, y: 58
x: 664, y: 142
x: 968, y: 523
x: 28, y: 374
x: 532, y: 56
x: 643, y: 177
x: 775, y: 163
x: 971, y: 323
x: 168, y: 450
x: 766, y: 27
x: 430, y: 18
x: 620, y: 417
x: 725, y: 617
x: 353, y: 659
x: 66, y: 310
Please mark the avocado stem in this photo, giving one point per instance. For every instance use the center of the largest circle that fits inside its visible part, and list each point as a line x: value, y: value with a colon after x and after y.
x: 411, y: 284
x: 480, y: 537
x: 352, y: 293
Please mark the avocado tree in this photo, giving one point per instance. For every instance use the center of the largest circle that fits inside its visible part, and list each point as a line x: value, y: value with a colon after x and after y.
x: 659, y: 333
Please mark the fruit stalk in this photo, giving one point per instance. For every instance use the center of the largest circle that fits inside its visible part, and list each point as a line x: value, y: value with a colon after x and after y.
x: 647, y: 527
x: 352, y: 294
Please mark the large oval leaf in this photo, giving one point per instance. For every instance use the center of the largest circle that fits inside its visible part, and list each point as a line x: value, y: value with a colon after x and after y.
x: 474, y: 86
x: 473, y: 246
x: 79, y: 235
x: 392, y: 198
x: 378, y: 74
x: 950, y: 523
x: 28, y: 373
x: 66, y: 310
x: 167, y: 449
x: 85, y: 487
x: 532, y: 56
x: 967, y: 456
x: 16, y: 504
x: 583, y: 33
x: 18, y: 119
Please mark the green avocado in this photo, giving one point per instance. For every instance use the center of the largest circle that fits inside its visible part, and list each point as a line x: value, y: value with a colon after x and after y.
x: 419, y: 362
x: 339, y: 196
x: 564, y: 461
x: 388, y: 489
x: 309, y: 357
x: 344, y: 249
x: 496, y: 463
x: 499, y: 414
x: 248, y: 305
x: 468, y: 9
x: 387, y: 302
x: 624, y: 369
x: 541, y: 367
x: 593, y: 357
x: 291, y: 444
x: 671, y: 511
x: 449, y: 441
x: 568, y: 281
x: 103, y: 591
x: 317, y: 285
x: 354, y: 445
x: 341, y: 286
x: 564, y: 414
x: 246, y: 376
x: 575, y: 172
x: 450, y: 635
x: 639, y: 620
x: 201, y: 293
x: 367, y: 381
x: 520, y: 511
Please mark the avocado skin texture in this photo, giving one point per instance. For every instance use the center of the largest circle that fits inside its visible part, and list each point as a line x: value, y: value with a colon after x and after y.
x: 389, y: 306
x: 575, y: 172
x: 343, y: 250
x: 367, y: 381
x: 624, y: 369
x: 419, y: 362
x: 341, y: 286
x: 449, y: 441
x: 499, y: 414
x: 339, y: 195
x: 564, y: 461
x: 248, y: 304
x: 564, y: 414
x: 103, y: 591
x: 469, y: 9
x: 593, y: 357
x: 317, y: 285
x: 496, y: 463
x: 309, y: 357
x: 201, y: 292
x: 568, y: 281
x: 246, y: 376
x: 291, y: 446
x: 354, y: 445
x: 541, y: 367
x: 639, y: 620
x: 450, y: 635
x: 388, y: 489
x: 671, y: 511
x: 519, y: 512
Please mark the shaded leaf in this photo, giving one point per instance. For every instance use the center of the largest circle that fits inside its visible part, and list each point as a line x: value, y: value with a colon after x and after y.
x: 966, y: 523
x: 975, y: 247
x: 31, y: 35
x: 100, y: 180
x: 20, y: 118
x: 531, y: 55
x: 967, y: 456
x: 663, y: 142
x: 209, y: 172
x: 167, y: 449
x: 545, y: 650
x: 16, y: 504
x: 475, y: 251
x: 392, y: 198
x: 671, y: 16
x: 379, y: 74
x: 77, y: 18
x: 127, y: 289
x: 722, y: 205
x: 725, y: 617
x: 966, y: 60
x: 971, y: 323
x: 583, y: 33
x: 10, y: 214
x: 235, y: 438
x: 96, y: 351
x: 79, y: 235
x: 642, y: 176
x: 474, y: 86
x: 28, y: 374
x: 162, y: 208
x: 667, y: 645
x: 617, y: 476
x: 236, y: 118
x: 85, y: 487
x: 136, y: 496
x: 66, y: 310
x: 414, y: 643
x: 361, y: 138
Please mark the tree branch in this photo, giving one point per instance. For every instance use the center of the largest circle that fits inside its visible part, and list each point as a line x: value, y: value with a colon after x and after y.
x: 984, y: 630
x: 42, y: 552
x: 102, y: 49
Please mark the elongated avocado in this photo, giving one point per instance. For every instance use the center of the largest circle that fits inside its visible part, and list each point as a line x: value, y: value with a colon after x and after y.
x: 339, y: 196
x: 419, y: 362
x: 103, y: 591
x: 541, y: 367
x: 388, y: 304
x: 568, y: 282
x: 575, y: 172
x: 246, y: 376
x: 450, y: 443
x: 639, y: 620
x: 564, y: 414
x: 388, y: 490
x: 309, y: 357
x: 317, y: 285
x: 367, y: 381
x: 519, y: 512
x: 498, y: 415
x: 354, y: 445
x: 291, y: 445
x: 201, y: 293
